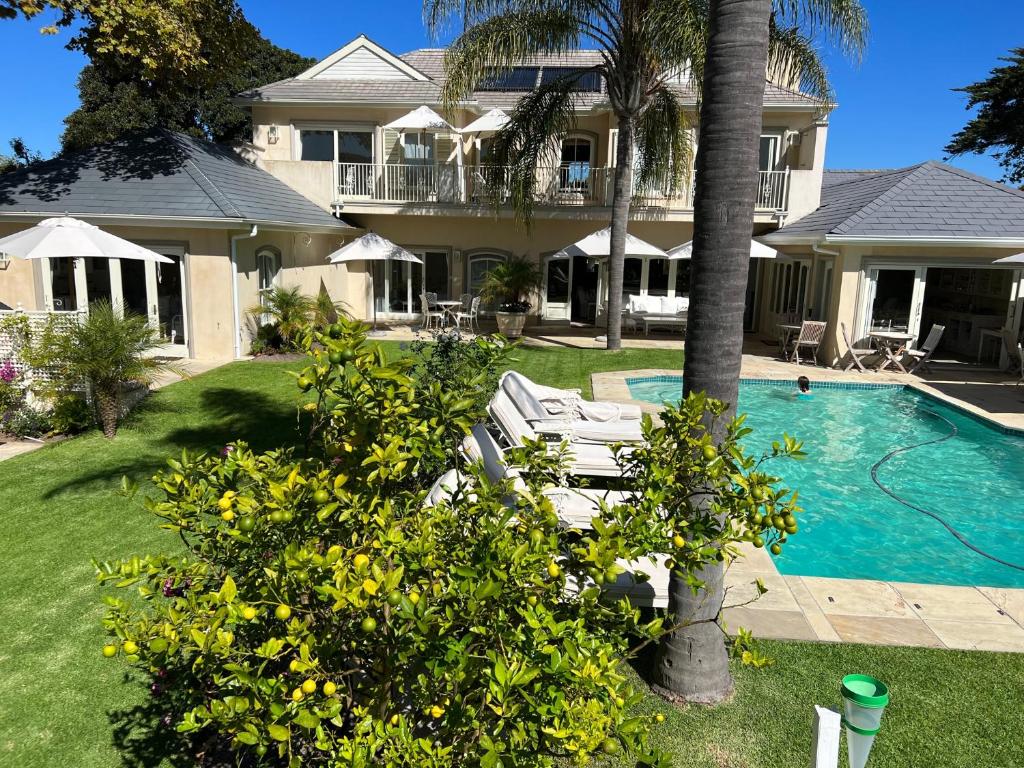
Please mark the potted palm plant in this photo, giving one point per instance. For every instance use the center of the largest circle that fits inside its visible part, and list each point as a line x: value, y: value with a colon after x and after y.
x: 511, y: 284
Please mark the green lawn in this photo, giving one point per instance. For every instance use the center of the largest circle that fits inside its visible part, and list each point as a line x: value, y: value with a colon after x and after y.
x: 61, y: 704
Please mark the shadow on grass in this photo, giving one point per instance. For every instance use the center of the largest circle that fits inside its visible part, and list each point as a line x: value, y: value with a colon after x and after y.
x: 222, y: 415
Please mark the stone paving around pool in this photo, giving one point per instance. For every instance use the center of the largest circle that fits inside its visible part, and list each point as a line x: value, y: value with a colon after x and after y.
x: 855, y: 610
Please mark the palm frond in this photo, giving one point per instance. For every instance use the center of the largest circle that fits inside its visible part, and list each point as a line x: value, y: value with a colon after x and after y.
x: 793, y: 58
x: 844, y: 23
x: 502, y: 42
x: 663, y: 145
x: 540, y: 119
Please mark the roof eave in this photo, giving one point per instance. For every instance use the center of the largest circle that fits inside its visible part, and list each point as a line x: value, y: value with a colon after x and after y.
x: 196, y: 222
x: 937, y: 240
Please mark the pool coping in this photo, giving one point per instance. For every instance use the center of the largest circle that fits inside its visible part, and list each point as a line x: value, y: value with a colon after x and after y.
x: 855, y: 610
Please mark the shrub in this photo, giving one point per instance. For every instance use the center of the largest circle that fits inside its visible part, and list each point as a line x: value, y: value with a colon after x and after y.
x: 511, y: 283
x: 71, y: 414
x: 290, y: 310
x: 324, y: 615
x: 106, y: 351
x: 25, y: 421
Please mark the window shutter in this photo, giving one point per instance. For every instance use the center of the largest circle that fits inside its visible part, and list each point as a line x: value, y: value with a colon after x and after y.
x: 613, y: 140
x: 392, y: 153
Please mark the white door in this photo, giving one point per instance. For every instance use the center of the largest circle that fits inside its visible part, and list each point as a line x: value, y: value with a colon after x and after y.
x: 893, y: 300
x: 557, y: 290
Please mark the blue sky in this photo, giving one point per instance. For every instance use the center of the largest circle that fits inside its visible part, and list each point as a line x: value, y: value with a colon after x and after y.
x: 896, y: 108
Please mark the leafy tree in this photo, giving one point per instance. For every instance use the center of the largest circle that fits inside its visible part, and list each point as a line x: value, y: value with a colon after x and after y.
x: 334, y: 611
x: 998, y: 127
x: 739, y: 46
x: 21, y: 157
x: 646, y: 45
x: 182, y: 41
x: 116, y: 98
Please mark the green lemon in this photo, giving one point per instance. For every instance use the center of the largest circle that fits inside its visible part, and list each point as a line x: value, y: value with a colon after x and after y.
x: 710, y: 452
x: 246, y: 523
x: 321, y: 497
x: 394, y: 598
x: 277, y: 516
x: 758, y: 542
x: 283, y: 612
x: 335, y: 331
x: 776, y: 549
x: 609, y: 746
x: 335, y: 358
x: 368, y: 625
x: 304, y: 383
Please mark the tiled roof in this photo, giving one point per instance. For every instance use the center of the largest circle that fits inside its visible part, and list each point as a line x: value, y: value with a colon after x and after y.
x: 412, y: 91
x: 930, y: 200
x: 160, y: 175
x: 430, y: 61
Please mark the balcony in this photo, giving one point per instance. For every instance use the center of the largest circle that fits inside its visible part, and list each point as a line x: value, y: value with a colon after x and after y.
x: 572, y: 185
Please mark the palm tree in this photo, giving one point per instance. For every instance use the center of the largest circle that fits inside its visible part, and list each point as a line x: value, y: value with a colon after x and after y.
x: 108, y: 351
x: 647, y: 48
x: 288, y: 308
x: 742, y: 39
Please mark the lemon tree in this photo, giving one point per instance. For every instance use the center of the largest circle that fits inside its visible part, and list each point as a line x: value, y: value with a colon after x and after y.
x: 324, y: 614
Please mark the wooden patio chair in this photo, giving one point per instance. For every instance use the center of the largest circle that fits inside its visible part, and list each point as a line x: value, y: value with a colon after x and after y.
x: 811, y: 334
x: 856, y: 355
x: 923, y: 354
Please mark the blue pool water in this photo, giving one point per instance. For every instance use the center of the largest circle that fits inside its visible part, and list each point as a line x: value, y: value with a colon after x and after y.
x: 849, y: 527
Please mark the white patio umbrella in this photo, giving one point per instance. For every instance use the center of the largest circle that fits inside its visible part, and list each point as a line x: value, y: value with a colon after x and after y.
x: 489, y: 124
x: 422, y: 119
x: 372, y: 247
x: 599, y: 244
x: 66, y: 237
x: 1017, y: 258
x: 757, y: 251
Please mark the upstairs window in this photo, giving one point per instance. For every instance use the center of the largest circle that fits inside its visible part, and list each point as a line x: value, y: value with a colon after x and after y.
x: 316, y: 145
x: 341, y: 144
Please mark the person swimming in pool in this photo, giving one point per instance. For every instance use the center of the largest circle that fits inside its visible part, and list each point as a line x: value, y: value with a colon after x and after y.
x: 803, y: 388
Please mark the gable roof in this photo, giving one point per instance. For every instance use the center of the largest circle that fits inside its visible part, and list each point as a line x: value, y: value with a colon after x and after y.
x: 161, y: 177
x: 931, y: 201
x: 329, y: 68
x: 313, y: 86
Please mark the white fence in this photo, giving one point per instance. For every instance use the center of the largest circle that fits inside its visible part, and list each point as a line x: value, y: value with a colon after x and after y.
x: 14, y: 323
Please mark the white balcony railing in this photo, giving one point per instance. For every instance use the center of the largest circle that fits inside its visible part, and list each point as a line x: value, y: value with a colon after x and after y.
x: 573, y: 184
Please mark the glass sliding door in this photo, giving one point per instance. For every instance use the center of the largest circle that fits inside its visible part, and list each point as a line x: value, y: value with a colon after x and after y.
x: 557, y: 280
x: 893, y: 299
x: 134, y: 293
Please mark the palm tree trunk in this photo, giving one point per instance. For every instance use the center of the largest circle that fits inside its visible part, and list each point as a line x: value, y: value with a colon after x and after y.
x: 108, y: 411
x: 622, y: 191
x: 693, y: 661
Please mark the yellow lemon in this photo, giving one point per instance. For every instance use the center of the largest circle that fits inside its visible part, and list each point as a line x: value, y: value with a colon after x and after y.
x: 227, y: 515
x: 109, y: 650
x: 297, y: 694
x: 308, y: 686
x: 248, y: 613
x: 360, y: 561
x: 436, y: 711
x: 130, y: 647
x: 553, y: 570
x: 329, y: 688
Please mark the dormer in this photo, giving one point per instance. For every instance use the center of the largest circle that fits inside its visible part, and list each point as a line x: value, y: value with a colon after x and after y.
x: 362, y: 59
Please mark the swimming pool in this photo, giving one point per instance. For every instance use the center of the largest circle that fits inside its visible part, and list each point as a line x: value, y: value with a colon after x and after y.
x: 971, y: 476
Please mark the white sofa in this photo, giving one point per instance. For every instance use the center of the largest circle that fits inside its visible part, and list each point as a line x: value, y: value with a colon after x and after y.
x: 660, y: 311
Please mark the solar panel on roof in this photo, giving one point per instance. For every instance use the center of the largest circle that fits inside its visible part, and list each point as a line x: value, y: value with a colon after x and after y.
x: 589, y: 81
x: 515, y: 79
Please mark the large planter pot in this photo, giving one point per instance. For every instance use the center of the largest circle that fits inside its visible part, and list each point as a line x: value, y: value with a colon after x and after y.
x: 510, y: 324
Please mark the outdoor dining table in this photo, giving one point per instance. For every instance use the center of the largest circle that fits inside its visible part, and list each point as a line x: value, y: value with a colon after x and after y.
x: 450, y: 307
x: 786, y: 331
x: 891, y: 344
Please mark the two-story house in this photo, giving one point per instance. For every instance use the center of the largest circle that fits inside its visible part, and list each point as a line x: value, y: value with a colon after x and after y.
x: 901, y: 249
x: 325, y: 133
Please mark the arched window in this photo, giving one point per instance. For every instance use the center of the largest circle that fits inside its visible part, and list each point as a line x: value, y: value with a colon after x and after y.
x: 576, y: 163
x: 478, y: 267
x: 268, y: 265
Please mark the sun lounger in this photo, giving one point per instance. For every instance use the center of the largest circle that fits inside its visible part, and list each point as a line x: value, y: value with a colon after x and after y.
x: 597, y: 459
x: 569, y: 402
x: 566, y: 426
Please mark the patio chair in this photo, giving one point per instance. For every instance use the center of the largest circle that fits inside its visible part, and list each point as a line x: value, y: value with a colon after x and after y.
x: 856, y: 355
x: 430, y: 317
x: 471, y: 317
x: 810, y: 336
x: 923, y: 354
x: 567, y: 425
x: 585, y: 459
x: 569, y: 402
x: 1020, y: 360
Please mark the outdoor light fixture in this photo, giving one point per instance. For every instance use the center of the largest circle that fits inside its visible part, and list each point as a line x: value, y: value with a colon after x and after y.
x: 272, y: 134
x: 864, y: 700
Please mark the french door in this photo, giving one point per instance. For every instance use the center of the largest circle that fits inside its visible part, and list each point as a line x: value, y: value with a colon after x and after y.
x: 893, y: 298
x: 156, y: 291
